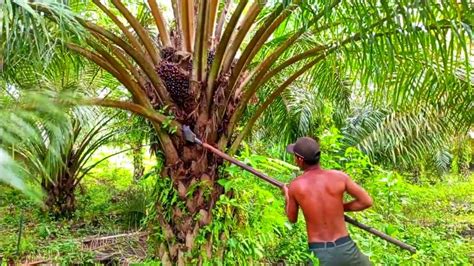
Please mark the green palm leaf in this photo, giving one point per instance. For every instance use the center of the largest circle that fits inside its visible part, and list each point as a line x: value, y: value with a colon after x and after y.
x: 22, y: 20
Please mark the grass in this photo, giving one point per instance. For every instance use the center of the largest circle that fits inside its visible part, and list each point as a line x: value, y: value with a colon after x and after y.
x: 433, y: 218
x: 102, y: 210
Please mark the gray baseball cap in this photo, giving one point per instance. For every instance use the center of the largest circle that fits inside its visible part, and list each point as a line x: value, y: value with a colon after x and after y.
x: 305, y: 147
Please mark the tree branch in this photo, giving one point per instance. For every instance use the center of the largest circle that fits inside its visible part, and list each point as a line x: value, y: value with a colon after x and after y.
x: 255, y: 44
x: 97, y: 59
x: 186, y: 16
x: 260, y: 37
x: 239, y: 35
x: 122, y: 58
x: 200, y: 44
x: 211, y: 21
x: 118, y: 53
x: 271, y: 99
x: 150, y: 114
x: 333, y: 47
x: 221, y: 48
x: 220, y: 23
x: 269, y: 60
x: 136, y: 91
x: 117, y: 22
x: 263, y: 77
x: 251, y: 91
x: 160, y: 23
x: 144, y: 64
x: 266, y: 77
x: 142, y: 34
x: 97, y: 32
x: 177, y: 19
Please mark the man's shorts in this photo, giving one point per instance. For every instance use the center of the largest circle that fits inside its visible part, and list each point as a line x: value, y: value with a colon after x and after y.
x: 341, y: 252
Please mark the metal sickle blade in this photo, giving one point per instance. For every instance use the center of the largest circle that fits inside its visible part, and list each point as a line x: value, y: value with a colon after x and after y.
x: 189, y: 135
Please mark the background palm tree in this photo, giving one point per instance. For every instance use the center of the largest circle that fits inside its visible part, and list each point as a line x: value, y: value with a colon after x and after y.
x: 53, y: 142
x: 218, y: 67
x: 53, y: 145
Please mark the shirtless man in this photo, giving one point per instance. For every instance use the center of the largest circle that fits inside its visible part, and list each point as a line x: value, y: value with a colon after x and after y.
x: 319, y: 193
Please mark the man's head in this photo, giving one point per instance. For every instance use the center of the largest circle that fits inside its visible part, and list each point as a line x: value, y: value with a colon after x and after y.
x: 306, y: 151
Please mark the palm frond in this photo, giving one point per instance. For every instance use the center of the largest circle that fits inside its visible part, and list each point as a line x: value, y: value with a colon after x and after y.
x: 401, y: 139
x: 12, y: 174
x: 49, y: 140
x: 22, y: 20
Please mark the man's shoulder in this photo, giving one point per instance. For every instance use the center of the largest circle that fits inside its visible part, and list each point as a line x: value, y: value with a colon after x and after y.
x: 337, y: 173
x: 296, y: 182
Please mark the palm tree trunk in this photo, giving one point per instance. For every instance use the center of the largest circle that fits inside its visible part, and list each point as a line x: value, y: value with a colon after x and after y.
x: 137, y: 153
x: 60, y: 200
x: 193, y: 179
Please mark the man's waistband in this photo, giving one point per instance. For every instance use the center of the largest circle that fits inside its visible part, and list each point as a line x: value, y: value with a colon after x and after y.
x: 337, y: 242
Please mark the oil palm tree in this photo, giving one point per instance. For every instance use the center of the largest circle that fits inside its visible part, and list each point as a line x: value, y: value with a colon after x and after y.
x: 53, y: 143
x: 55, y: 156
x: 216, y: 62
x: 53, y: 146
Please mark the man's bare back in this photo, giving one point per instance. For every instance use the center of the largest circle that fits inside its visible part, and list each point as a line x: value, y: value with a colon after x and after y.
x: 320, y: 193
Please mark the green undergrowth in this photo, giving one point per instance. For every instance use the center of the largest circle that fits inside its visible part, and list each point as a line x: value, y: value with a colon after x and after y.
x: 437, y: 219
x: 249, y: 226
x: 108, y: 203
x: 41, y: 236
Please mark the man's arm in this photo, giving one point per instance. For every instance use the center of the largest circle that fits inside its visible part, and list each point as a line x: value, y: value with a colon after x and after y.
x: 291, y: 208
x: 361, y: 201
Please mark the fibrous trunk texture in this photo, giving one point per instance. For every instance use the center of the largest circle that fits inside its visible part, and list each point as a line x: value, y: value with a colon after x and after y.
x: 138, y: 168
x: 60, y: 199
x: 194, y: 175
